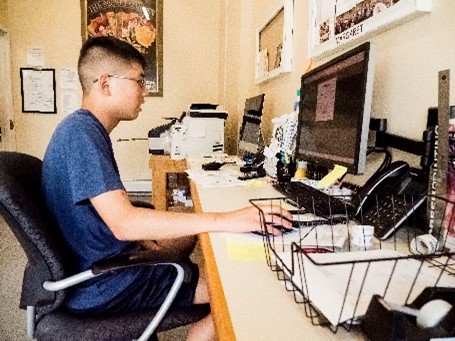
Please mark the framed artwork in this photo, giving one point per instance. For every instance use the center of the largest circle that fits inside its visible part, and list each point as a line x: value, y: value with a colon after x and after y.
x: 274, y: 43
x: 139, y: 22
x: 339, y: 24
x: 38, y: 91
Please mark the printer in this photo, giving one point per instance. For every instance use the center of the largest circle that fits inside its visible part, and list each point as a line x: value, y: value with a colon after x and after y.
x: 159, y: 137
x: 198, y: 131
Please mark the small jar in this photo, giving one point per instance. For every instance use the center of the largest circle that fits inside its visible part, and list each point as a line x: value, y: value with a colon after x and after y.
x: 301, y: 171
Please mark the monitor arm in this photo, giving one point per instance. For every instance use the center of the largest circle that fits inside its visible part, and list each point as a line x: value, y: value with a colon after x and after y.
x: 423, y: 148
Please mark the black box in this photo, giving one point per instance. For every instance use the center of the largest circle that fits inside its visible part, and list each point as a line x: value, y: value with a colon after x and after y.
x: 380, y: 323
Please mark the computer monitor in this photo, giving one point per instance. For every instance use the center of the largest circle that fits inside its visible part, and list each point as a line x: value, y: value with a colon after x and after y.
x: 250, y: 139
x: 334, y: 112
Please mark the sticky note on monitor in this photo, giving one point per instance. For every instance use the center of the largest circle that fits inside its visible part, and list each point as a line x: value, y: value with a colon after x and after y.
x: 332, y: 177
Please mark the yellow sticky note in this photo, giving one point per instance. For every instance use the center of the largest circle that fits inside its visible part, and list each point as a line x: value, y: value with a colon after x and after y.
x: 256, y: 183
x: 238, y: 249
x: 336, y: 173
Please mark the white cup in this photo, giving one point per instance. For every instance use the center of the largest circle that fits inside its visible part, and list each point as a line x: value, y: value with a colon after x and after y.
x: 362, y: 235
x: 424, y: 244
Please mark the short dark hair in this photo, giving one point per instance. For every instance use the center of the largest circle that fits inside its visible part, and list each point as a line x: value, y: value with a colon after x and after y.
x: 105, y: 54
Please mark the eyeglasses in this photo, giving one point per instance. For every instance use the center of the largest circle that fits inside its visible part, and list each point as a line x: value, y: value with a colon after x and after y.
x: 141, y: 81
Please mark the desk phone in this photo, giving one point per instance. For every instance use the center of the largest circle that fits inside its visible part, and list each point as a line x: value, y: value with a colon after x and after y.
x: 386, y: 200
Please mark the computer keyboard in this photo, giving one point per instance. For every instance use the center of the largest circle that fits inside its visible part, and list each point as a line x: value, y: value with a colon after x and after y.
x: 313, y: 200
x: 353, y: 187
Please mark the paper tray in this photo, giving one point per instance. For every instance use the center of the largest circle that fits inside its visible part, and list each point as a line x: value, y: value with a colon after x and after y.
x: 341, y: 285
x: 336, y: 287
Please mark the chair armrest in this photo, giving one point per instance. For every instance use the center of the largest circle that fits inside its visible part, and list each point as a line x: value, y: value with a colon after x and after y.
x: 122, y: 261
x: 119, y: 262
x: 130, y: 259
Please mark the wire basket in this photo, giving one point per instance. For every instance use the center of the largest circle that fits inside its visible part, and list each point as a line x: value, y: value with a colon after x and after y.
x: 339, y: 279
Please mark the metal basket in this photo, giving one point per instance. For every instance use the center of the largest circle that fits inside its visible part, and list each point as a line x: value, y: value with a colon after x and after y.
x: 338, y: 281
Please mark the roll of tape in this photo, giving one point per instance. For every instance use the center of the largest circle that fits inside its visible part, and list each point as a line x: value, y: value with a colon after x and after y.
x: 424, y: 244
x: 432, y: 313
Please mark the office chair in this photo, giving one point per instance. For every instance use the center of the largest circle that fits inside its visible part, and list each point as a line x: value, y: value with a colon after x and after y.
x: 47, y: 273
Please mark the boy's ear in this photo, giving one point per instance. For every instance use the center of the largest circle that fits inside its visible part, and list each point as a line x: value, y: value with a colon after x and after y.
x: 104, y: 84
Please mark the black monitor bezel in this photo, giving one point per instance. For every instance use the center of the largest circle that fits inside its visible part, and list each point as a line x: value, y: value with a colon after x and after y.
x: 252, y: 114
x: 358, y: 166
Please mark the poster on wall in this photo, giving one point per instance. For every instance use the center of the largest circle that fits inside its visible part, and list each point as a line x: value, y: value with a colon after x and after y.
x: 139, y: 22
x: 337, y: 24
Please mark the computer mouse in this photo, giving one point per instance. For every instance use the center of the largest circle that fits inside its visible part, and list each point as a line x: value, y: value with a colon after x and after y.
x: 212, y: 166
x: 282, y: 229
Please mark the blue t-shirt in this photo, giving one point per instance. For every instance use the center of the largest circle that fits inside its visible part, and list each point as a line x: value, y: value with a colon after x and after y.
x: 78, y: 165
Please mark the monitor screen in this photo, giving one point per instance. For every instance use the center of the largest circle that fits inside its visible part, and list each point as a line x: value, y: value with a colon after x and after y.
x: 250, y: 131
x: 334, y: 114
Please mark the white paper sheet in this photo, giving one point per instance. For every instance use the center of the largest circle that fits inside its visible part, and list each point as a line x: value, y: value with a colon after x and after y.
x: 214, y: 178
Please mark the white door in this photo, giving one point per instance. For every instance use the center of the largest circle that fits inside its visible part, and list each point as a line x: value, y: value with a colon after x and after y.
x: 7, y: 136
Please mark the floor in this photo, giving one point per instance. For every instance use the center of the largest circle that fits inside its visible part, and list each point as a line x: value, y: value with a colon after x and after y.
x: 12, y: 264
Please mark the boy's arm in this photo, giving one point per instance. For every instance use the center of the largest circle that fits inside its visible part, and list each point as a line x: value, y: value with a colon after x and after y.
x: 134, y: 223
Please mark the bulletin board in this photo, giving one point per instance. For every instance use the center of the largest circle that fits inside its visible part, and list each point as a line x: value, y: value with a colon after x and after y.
x: 337, y: 24
x: 271, y: 40
x: 274, y: 43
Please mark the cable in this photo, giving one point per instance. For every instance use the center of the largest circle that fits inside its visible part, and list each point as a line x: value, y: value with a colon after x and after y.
x: 387, y: 158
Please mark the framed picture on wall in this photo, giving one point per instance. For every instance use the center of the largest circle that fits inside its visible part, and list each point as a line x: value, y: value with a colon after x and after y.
x: 139, y: 22
x: 274, y: 43
x: 38, y: 91
x: 338, y: 24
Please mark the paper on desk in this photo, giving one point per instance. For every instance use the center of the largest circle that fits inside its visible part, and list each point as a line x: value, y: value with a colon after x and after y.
x: 260, y: 182
x: 219, y: 178
x: 243, y: 249
x: 332, y: 177
x: 342, y: 292
x: 321, y: 235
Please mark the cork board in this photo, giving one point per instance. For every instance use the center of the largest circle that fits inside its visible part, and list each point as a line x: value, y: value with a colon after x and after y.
x: 271, y: 40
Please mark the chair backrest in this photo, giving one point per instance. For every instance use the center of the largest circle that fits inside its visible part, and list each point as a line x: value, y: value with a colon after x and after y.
x: 23, y: 207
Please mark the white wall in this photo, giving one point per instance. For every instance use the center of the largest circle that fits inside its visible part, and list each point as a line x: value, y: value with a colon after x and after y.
x: 408, y: 60
x: 209, y: 56
x: 191, y: 68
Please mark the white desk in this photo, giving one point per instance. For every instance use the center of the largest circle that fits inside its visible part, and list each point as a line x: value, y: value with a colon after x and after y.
x: 248, y: 301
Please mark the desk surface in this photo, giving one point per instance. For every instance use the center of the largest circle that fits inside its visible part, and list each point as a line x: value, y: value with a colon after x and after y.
x: 248, y: 301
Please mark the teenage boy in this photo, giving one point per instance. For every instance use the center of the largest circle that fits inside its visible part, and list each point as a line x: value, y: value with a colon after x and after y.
x: 86, y: 197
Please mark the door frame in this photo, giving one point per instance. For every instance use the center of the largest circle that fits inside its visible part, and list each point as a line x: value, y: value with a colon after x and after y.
x: 8, y: 141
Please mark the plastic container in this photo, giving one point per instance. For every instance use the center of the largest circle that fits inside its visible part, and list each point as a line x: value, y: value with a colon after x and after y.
x: 301, y: 171
x: 297, y: 101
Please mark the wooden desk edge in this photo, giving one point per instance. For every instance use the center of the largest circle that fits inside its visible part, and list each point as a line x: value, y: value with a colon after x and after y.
x: 161, y: 165
x: 218, y: 305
